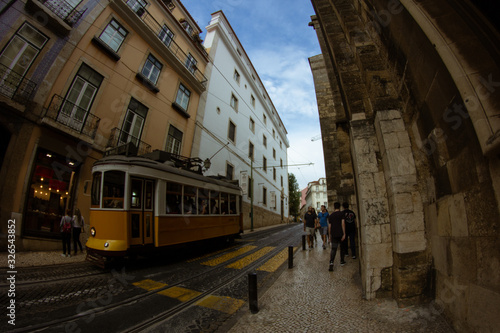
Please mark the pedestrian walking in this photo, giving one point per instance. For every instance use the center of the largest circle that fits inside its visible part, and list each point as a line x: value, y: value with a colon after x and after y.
x: 323, y: 223
x: 336, y: 231
x: 350, y: 229
x: 78, y: 226
x: 65, y: 226
x: 309, y: 225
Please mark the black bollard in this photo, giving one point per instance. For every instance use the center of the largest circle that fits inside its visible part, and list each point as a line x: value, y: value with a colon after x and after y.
x: 290, y: 257
x: 303, y: 242
x: 252, y: 293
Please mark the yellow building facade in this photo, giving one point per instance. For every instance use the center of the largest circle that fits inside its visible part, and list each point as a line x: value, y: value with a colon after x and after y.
x: 88, y: 78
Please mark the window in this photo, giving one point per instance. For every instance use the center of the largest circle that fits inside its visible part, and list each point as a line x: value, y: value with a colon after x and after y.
x: 79, y: 98
x: 151, y: 69
x: 189, y: 200
x: 113, y: 35
x: 187, y: 27
x: 264, y: 164
x: 182, y: 98
x: 252, y: 125
x: 274, y: 134
x: 274, y: 153
x: 18, y: 56
x: 191, y: 63
x: 250, y: 150
x: 264, y: 118
x: 137, y: 6
x: 264, y: 140
x: 252, y: 100
x: 234, y: 102
x: 166, y: 35
x: 236, y: 76
x: 113, y: 189
x: 133, y: 122
x: 231, y: 132
x: 274, y: 173
x: 174, y: 140
x: 281, y: 147
x: 264, y: 196
x: 281, y: 181
x: 229, y: 171
x: 281, y: 162
x: 96, y: 190
x: 173, y: 198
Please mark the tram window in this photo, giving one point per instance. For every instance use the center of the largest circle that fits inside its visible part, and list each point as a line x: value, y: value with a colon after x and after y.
x: 189, y: 200
x: 136, y: 193
x: 149, y: 195
x: 224, y: 203
x: 113, y: 189
x: 203, y: 201
x: 232, y: 204
x: 96, y: 190
x: 214, y: 202
x: 174, y: 198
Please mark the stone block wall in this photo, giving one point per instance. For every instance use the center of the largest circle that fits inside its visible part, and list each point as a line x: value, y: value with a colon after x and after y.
x: 427, y: 189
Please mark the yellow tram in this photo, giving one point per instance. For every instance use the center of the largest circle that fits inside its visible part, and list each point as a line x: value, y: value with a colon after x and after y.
x: 143, y: 203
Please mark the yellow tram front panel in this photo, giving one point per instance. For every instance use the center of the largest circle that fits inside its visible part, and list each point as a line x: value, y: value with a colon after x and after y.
x: 183, y: 229
x: 110, y: 227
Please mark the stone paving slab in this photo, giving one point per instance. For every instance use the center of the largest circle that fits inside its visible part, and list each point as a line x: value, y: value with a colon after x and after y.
x: 309, y: 298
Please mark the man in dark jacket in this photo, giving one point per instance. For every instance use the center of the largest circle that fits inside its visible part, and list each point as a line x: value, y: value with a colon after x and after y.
x: 309, y: 225
x: 336, y: 231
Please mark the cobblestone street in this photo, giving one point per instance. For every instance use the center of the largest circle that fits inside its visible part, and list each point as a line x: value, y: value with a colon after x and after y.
x: 309, y: 298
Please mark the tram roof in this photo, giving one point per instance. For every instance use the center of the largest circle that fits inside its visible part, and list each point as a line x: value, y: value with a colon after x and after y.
x: 162, y: 166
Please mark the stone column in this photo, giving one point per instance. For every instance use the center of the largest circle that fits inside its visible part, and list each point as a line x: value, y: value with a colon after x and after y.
x: 374, y: 224
x: 411, y: 264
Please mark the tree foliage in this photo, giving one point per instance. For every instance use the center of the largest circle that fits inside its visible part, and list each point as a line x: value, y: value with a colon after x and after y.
x: 294, y: 193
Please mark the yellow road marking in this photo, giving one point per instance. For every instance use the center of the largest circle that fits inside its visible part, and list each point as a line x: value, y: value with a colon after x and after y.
x: 211, y: 254
x: 272, y: 264
x: 250, y: 258
x: 229, y: 256
x: 182, y: 294
x: 149, y: 285
x: 221, y: 303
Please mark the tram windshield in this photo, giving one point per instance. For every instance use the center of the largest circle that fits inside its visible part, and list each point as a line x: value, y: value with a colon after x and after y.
x: 113, y: 189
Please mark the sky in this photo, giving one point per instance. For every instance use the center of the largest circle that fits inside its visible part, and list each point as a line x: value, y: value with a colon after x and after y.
x: 276, y: 36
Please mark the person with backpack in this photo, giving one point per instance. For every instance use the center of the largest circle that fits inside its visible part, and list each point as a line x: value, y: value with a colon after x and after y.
x: 350, y: 229
x: 78, y: 224
x: 65, y: 226
x: 323, y: 221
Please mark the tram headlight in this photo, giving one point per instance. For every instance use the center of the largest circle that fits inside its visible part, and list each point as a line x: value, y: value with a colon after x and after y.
x: 92, y: 232
x: 106, y: 244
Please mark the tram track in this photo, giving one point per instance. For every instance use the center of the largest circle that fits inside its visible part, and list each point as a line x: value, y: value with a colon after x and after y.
x: 282, y: 240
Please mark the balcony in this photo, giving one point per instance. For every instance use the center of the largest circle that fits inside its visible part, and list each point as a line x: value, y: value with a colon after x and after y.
x: 60, y: 15
x: 156, y: 29
x: 122, y: 143
x: 64, y: 10
x: 72, y: 116
x: 15, y: 86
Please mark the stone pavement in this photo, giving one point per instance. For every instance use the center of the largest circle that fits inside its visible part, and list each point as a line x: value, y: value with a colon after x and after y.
x: 309, y: 298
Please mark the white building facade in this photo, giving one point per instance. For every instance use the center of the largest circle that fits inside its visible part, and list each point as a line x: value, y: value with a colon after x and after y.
x: 316, y: 194
x: 239, y: 129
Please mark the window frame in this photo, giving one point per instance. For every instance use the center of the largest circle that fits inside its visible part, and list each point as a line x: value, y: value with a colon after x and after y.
x: 116, y: 32
x: 234, y: 102
x: 181, y: 91
x: 174, y: 144
x: 155, y: 64
x: 233, y: 139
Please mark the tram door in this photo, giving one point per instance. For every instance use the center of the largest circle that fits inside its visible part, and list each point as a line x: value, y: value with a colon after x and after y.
x: 141, y: 211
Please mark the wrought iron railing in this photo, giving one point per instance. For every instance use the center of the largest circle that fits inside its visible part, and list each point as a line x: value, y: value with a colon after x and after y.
x: 122, y: 142
x: 72, y: 116
x: 64, y: 10
x: 157, y: 28
x: 15, y: 86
